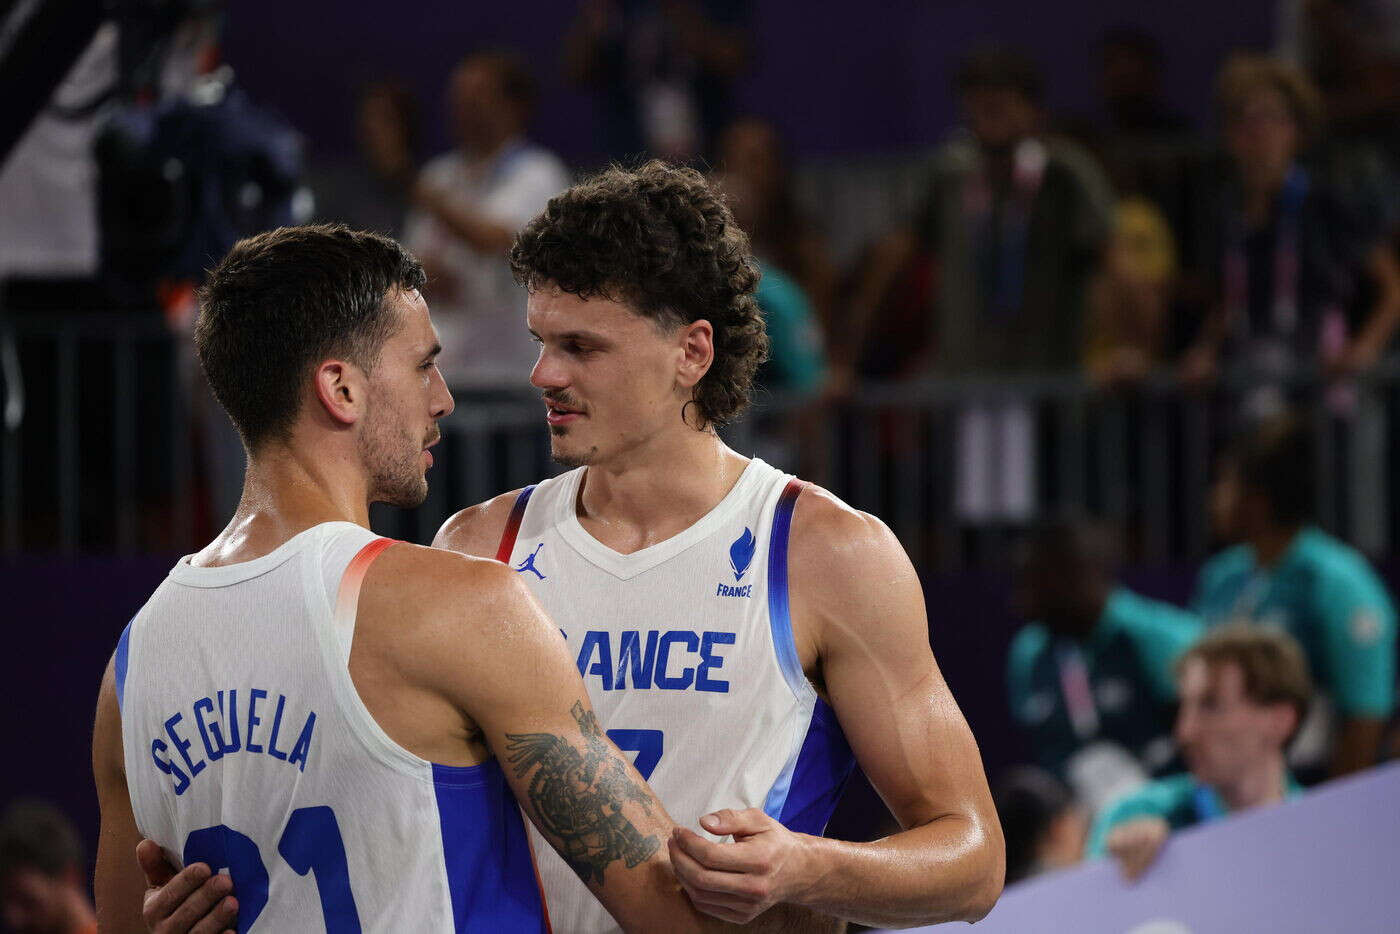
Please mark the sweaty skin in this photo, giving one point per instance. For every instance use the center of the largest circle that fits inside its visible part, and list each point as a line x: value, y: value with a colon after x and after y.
x: 862, y: 636
x: 452, y: 655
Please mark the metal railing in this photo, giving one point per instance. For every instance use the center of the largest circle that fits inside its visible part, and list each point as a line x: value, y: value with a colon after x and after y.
x: 122, y: 451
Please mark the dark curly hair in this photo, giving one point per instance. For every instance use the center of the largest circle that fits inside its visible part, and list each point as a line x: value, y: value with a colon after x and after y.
x: 660, y: 239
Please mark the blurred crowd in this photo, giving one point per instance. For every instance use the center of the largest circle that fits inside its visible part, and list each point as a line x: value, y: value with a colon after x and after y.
x: 1144, y: 717
x: 1126, y: 247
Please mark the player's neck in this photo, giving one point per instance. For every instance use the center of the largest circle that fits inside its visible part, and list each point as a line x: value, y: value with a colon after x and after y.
x: 285, y: 492
x: 658, y: 489
x: 1265, y: 784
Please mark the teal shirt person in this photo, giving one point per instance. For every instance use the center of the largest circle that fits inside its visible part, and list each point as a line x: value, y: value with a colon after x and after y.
x: 1117, y: 685
x: 1179, y: 800
x: 796, y: 356
x: 1326, y: 596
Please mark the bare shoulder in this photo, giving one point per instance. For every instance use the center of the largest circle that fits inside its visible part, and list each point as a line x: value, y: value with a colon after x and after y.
x: 420, y: 583
x: 831, y: 536
x: 477, y: 529
x: 851, y: 579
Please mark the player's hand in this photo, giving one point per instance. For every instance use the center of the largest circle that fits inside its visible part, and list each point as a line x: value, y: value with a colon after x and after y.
x: 191, y: 901
x: 1136, y: 843
x: 766, y: 864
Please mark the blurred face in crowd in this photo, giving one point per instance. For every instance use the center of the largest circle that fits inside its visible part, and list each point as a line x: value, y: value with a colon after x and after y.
x: 1262, y: 135
x: 482, y: 115
x: 36, y: 903
x: 1223, y: 734
x: 999, y: 117
x: 406, y: 397
x: 612, y: 380
x: 1062, y: 591
x: 752, y: 168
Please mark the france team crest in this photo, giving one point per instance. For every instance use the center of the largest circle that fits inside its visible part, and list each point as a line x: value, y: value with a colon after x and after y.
x: 740, y: 557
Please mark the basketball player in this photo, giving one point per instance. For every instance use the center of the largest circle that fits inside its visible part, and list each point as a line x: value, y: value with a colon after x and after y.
x: 741, y: 632
x: 343, y: 722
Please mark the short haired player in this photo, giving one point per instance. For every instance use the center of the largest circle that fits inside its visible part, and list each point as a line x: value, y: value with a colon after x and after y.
x: 344, y: 722
x: 746, y: 635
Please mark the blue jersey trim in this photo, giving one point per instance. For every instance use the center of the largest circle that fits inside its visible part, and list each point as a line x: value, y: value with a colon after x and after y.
x: 805, y: 794
x: 119, y: 662
x: 490, y: 875
x: 779, y: 616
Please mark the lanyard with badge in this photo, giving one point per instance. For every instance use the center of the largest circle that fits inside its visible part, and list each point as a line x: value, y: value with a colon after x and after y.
x: 1077, y: 691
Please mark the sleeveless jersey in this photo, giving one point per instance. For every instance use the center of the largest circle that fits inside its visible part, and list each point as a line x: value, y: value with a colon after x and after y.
x: 687, y: 651
x: 247, y: 747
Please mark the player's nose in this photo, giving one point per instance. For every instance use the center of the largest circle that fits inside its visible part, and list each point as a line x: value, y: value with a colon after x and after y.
x: 442, y: 401
x: 548, y: 373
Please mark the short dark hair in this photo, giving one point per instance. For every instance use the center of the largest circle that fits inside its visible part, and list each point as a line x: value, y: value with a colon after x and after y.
x: 284, y: 300
x: 1275, y: 458
x: 661, y: 239
x: 999, y: 67
x: 38, y: 836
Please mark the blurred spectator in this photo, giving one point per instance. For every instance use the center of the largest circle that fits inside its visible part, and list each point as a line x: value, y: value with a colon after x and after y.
x: 791, y: 255
x: 1284, y: 250
x: 1043, y: 827
x: 796, y: 356
x: 1243, y: 695
x: 356, y: 192
x: 757, y: 179
x: 43, y: 873
x: 1014, y: 220
x: 1131, y: 299
x: 664, y: 70
x: 467, y: 206
x: 1091, y: 679
x: 1290, y: 575
x: 1351, y: 49
x: 1130, y: 82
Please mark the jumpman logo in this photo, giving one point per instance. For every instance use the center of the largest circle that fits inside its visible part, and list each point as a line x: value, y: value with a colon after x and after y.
x: 529, y: 563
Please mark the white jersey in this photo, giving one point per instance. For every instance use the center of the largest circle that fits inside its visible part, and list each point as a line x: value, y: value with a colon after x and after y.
x: 687, y: 651
x: 247, y: 747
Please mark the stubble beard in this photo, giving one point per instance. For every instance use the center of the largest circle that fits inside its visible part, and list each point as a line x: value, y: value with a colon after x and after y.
x: 396, y: 476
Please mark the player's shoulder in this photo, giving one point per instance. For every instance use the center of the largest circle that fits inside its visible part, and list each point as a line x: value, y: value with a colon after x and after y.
x: 837, y: 549
x: 821, y: 520
x: 422, y: 584
x: 477, y: 529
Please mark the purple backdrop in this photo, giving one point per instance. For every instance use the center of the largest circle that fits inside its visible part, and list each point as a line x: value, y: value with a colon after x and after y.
x: 836, y: 77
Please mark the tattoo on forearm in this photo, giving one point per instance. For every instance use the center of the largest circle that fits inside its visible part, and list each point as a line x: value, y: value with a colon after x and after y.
x: 579, y: 795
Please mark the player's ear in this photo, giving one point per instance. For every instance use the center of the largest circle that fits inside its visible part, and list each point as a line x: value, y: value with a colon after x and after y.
x: 340, y: 390
x: 697, y: 352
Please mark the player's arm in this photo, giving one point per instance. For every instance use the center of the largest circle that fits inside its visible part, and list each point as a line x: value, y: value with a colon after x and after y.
x: 478, y: 638
x: 189, y: 900
x: 477, y: 529
x: 854, y: 592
